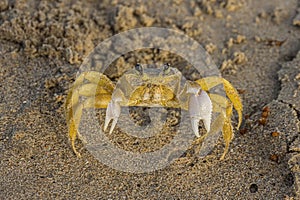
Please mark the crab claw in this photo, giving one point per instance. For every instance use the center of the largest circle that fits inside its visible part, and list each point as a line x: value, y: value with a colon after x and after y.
x: 200, y: 108
x: 113, y: 111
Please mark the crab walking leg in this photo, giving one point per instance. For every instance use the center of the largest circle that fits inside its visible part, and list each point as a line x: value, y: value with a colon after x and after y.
x: 210, y: 82
x: 86, y: 90
x: 235, y: 99
x: 219, y: 102
x: 200, y: 107
x: 97, y: 88
x: 94, y: 77
x: 98, y: 83
x: 72, y: 135
x: 75, y: 112
x: 113, y: 110
x: 227, y: 130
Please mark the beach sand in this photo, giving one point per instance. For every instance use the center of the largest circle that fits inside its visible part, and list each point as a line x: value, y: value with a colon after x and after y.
x: 256, y: 46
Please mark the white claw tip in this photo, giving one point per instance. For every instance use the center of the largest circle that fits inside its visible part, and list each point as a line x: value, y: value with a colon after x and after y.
x: 195, y: 127
x: 112, y: 113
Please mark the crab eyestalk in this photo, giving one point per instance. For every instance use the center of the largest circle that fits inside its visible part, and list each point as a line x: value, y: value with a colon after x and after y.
x: 200, y: 107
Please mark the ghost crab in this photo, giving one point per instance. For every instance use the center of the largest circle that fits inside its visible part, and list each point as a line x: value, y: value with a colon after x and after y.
x: 154, y: 87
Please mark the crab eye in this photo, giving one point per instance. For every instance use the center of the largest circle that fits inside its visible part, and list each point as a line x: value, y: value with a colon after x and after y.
x: 139, y: 68
x: 166, y: 68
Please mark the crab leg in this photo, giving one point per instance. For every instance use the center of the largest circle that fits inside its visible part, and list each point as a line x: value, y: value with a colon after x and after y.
x: 200, y: 108
x: 210, y: 82
x: 100, y: 101
x: 227, y: 130
x: 221, y: 103
x: 97, y: 93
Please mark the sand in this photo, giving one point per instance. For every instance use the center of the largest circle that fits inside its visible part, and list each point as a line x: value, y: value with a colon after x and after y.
x: 255, y: 44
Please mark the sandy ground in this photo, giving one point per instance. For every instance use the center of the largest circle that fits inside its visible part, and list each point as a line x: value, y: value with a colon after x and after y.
x: 42, y: 44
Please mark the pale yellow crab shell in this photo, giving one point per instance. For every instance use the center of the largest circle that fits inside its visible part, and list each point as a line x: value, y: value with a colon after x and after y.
x: 153, y: 87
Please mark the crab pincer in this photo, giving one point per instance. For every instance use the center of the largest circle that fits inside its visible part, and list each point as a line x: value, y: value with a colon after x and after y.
x: 200, y: 107
x: 113, y: 110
